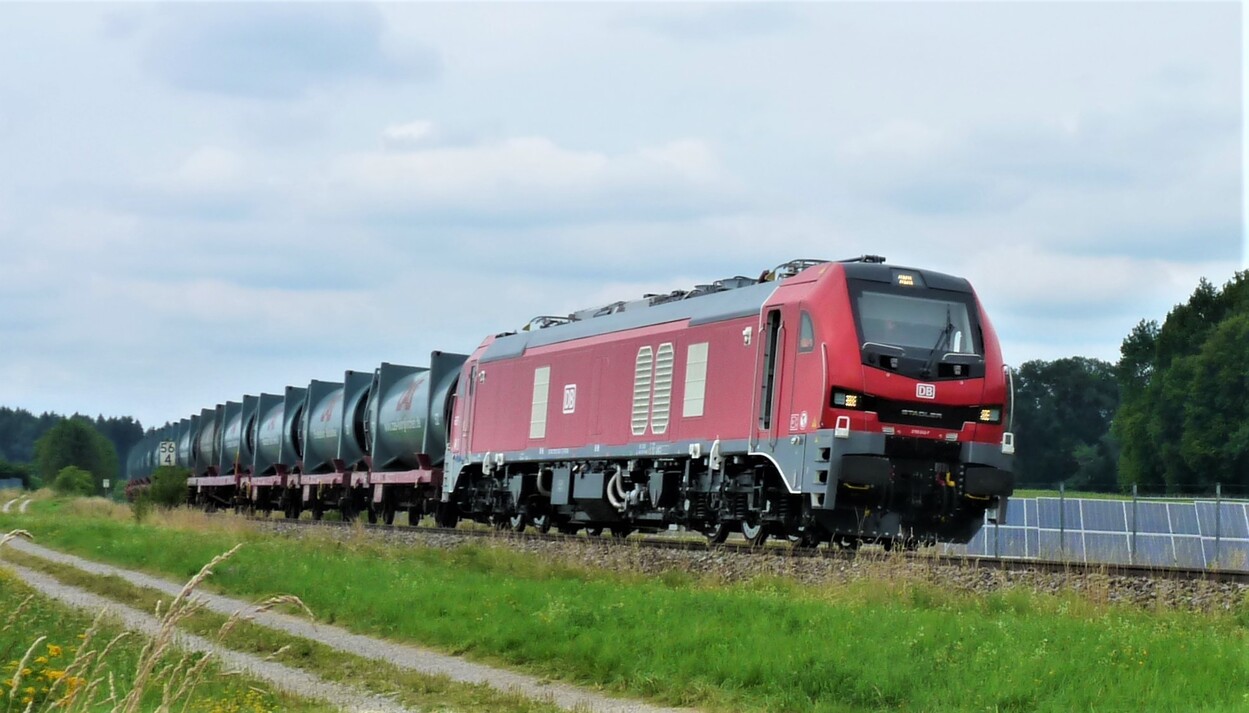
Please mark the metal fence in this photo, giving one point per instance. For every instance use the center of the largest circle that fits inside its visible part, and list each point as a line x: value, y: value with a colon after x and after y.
x: 1200, y: 533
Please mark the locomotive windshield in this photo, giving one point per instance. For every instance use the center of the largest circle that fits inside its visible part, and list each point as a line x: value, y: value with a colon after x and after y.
x: 916, y: 323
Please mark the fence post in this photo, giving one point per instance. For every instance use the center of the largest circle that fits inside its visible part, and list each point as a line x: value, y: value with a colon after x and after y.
x: 1062, y: 521
x: 1218, y: 519
x: 1132, y: 545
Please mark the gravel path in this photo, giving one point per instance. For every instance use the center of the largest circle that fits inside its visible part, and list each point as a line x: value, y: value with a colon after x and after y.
x: 281, y: 677
x: 25, y: 504
x: 410, y: 657
x: 8, y: 506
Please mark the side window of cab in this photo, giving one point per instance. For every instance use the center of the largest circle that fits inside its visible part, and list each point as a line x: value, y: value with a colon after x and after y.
x: 806, y: 334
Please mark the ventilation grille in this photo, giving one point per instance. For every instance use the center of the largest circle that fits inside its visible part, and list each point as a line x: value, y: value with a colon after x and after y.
x: 642, y: 390
x: 662, y: 404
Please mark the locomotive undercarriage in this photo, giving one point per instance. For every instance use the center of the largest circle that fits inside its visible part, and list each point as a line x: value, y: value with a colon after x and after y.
x: 906, y: 496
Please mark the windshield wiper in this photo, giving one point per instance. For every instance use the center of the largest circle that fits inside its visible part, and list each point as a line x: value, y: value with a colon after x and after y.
x: 942, y: 340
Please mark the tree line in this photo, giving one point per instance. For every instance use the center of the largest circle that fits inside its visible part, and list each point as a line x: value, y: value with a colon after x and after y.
x: 1172, y: 416
x: 35, y: 449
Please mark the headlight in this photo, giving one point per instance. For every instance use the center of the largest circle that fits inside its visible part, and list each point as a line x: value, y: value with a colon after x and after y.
x: 842, y: 399
x: 991, y: 415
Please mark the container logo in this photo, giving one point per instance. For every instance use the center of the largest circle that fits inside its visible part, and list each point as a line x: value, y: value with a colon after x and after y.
x: 925, y: 391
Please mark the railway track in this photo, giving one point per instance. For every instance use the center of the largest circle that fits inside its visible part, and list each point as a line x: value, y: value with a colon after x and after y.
x: 699, y: 544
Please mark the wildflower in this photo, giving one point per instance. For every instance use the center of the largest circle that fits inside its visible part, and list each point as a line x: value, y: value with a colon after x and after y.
x: 54, y: 650
x: 41, y: 660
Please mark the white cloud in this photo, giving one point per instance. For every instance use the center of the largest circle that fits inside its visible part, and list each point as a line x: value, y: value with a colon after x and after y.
x: 210, y: 167
x: 524, y: 177
x: 411, y: 134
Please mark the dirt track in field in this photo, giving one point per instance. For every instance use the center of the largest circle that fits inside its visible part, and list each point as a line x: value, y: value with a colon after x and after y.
x: 405, y: 656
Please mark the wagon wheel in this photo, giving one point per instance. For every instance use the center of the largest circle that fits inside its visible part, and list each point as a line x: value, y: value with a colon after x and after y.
x: 317, y: 511
x: 346, y: 509
x: 542, y: 523
x: 621, y: 532
x: 594, y: 531
x: 719, y: 532
x: 755, y: 534
x: 372, y: 514
x: 388, y: 510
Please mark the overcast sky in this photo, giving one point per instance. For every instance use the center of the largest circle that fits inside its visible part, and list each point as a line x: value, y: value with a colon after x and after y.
x: 202, y: 201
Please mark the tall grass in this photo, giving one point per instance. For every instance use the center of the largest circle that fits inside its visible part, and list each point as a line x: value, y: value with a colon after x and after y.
x: 895, y: 641
x: 106, y: 669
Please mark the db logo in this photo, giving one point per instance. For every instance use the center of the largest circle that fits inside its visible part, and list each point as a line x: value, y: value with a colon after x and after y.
x: 925, y: 391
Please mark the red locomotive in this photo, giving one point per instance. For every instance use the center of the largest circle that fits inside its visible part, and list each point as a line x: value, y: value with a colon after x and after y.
x: 853, y: 401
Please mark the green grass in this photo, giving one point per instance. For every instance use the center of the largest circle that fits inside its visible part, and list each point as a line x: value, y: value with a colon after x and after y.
x: 49, y: 673
x: 880, y: 644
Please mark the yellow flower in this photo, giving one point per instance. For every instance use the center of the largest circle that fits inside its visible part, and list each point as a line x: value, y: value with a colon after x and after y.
x: 54, y: 650
x: 41, y: 660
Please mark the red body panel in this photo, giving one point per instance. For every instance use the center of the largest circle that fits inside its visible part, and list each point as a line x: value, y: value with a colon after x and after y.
x: 601, y: 371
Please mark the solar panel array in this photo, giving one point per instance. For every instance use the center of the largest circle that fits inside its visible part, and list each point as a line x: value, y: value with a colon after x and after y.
x: 1202, y: 534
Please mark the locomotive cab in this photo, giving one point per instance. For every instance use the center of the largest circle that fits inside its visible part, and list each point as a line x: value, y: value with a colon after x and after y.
x: 917, y: 401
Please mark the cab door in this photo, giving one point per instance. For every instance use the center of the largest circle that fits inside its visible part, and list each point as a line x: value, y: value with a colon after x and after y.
x: 768, y: 397
x: 805, y: 387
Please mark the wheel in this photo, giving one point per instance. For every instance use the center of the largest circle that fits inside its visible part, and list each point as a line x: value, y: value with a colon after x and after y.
x: 846, y: 542
x: 542, y: 523
x: 317, y: 511
x: 568, y: 529
x: 810, y: 537
x: 388, y: 512
x: 720, y: 532
x: 517, y: 521
x: 621, y: 532
x: 594, y: 531
x: 756, y: 535
x: 414, y: 516
x: 372, y: 515
x: 445, y: 515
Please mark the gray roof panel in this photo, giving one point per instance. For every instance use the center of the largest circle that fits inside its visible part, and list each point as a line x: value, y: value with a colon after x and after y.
x: 704, y: 309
